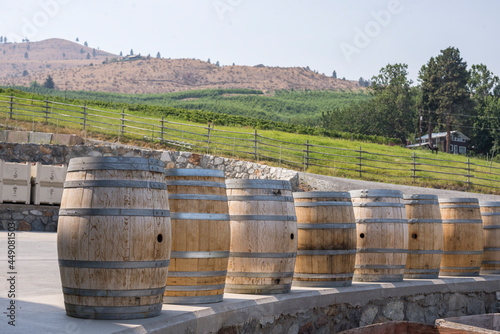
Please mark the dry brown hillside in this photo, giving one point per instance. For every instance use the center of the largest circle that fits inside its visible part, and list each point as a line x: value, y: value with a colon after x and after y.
x: 145, y: 75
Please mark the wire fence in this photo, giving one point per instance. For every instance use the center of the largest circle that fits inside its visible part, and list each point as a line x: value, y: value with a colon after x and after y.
x: 416, y: 169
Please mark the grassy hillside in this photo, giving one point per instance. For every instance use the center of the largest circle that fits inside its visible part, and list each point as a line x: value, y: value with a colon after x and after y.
x: 297, y: 107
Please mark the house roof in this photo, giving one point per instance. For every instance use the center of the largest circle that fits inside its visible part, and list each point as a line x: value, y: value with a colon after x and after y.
x: 443, y: 134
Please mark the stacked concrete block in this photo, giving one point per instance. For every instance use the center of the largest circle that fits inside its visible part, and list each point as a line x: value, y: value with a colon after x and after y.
x: 47, y: 183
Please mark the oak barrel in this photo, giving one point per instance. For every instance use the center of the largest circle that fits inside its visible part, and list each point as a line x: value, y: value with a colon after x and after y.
x: 326, y: 239
x: 200, y: 236
x: 425, y: 227
x: 382, y: 235
x: 490, y: 214
x: 463, y: 236
x: 263, y: 236
x: 113, y: 238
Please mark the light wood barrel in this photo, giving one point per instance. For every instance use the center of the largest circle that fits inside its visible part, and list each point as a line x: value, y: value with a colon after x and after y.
x: 263, y: 236
x: 200, y: 236
x: 425, y: 227
x: 490, y: 213
x: 113, y: 238
x: 326, y: 239
x: 463, y: 237
x: 382, y: 235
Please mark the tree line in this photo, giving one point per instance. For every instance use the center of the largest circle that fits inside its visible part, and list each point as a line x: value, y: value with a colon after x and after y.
x: 449, y: 96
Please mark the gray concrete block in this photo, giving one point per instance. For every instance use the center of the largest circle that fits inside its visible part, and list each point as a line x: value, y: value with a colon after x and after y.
x: 66, y: 139
x: 40, y: 138
x: 3, y: 135
x: 17, y: 137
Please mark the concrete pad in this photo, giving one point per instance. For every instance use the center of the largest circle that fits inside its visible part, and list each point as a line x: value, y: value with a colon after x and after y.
x: 40, y: 137
x: 17, y: 137
x: 40, y: 306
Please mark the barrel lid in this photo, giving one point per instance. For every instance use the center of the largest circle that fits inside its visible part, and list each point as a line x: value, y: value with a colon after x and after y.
x: 258, y: 184
x: 420, y: 196
x: 459, y: 200
x: 115, y: 163
x: 194, y: 172
x: 376, y: 193
x: 319, y: 194
x: 489, y: 204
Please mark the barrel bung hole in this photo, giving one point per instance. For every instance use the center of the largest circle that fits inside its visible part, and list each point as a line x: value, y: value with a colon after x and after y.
x: 414, y: 235
x: 362, y: 235
x: 292, y: 236
x: 159, y: 238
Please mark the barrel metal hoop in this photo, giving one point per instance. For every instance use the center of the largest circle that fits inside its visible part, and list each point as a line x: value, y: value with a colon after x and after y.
x: 199, y: 216
x: 379, y: 266
x: 381, y: 250
x: 100, y: 312
x: 378, y: 204
x: 260, y: 274
x: 462, y: 221
x: 418, y: 251
x: 114, y: 293
x: 196, y: 273
x: 421, y: 202
x: 194, y: 287
x: 365, y: 193
x: 489, y: 204
x: 325, y: 226
x: 263, y: 255
x: 243, y: 198
x: 194, y: 172
x: 312, y: 252
x: 490, y: 262
x: 114, y: 264
x: 424, y: 221
x: 460, y: 268
x: 441, y: 206
x: 199, y: 255
x: 463, y: 252
x: 115, y: 163
x: 420, y: 197
x: 325, y: 203
x: 114, y: 212
x: 193, y: 299
x: 200, y: 197
x: 325, y: 276
x: 491, y: 227
x: 190, y: 183
x: 426, y: 271
x: 459, y: 200
x: 381, y: 221
x: 490, y: 213
x: 321, y: 194
x: 491, y: 249
x: 258, y: 184
x: 263, y: 217
x: 115, y: 184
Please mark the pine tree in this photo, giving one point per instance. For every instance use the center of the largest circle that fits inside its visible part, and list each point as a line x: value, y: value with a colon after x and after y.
x: 158, y: 55
x: 86, y: 44
x: 334, y: 74
x: 88, y: 55
x: 49, y: 83
x: 93, y: 53
x: 131, y: 52
x: 26, y: 54
x: 77, y: 39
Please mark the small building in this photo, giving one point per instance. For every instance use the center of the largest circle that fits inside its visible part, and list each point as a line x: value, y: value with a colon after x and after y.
x: 458, y: 142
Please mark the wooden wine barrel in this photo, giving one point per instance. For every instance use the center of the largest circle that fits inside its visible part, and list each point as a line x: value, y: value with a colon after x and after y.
x: 382, y: 235
x: 326, y: 239
x: 463, y: 236
x: 490, y: 213
x: 113, y: 238
x: 200, y: 236
x: 263, y: 236
x: 425, y: 227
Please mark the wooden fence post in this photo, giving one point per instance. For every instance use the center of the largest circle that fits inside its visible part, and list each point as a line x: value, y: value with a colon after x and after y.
x: 414, y: 167
x: 123, y: 122
x: 161, y: 134
x: 11, y: 105
x: 84, y: 117
x: 256, y: 149
x: 307, y: 154
x: 360, y: 162
x: 468, y: 174
x: 46, y: 111
x: 208, y: 140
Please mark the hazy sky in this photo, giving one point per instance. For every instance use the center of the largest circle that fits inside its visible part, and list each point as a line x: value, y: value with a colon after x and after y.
x: 356, y: 38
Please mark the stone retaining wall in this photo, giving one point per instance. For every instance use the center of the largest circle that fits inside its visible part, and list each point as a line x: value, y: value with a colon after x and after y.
x: 29, y: 217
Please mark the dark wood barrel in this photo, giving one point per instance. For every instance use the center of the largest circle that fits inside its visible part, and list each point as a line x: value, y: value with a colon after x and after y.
x: 263, y: 236
x: 463, y: 236
x: 113, y: 238
x: 200, y: 236
x: 326, y: 239
x: 490, y: 214
x: 382, y: 235
x: 425, y: 227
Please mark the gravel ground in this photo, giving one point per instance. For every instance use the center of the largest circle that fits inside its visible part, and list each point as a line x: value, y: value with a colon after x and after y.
x: 329, y: 183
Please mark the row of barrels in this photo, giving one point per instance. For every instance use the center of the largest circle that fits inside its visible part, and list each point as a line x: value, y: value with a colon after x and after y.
x: 126, y: 245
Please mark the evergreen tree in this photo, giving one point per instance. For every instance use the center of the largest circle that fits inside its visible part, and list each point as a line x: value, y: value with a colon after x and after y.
x: 131, y: 52
x: 121, y: 54
x: 49, y: 82
x: 208, y: 61
x: 88, y: 55
x: 5, y: 40
x: 93, y: 53
x: 26, y: 54
x: 1, y: 39
x: 77, y: 39
x: 81, y: 50
x: 158, y: 55
x: 334, y: 74
x: 86, y: 44
x: 217, y: 63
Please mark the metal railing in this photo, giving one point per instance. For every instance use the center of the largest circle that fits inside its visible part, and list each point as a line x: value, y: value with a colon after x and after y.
x: 420, y: 169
